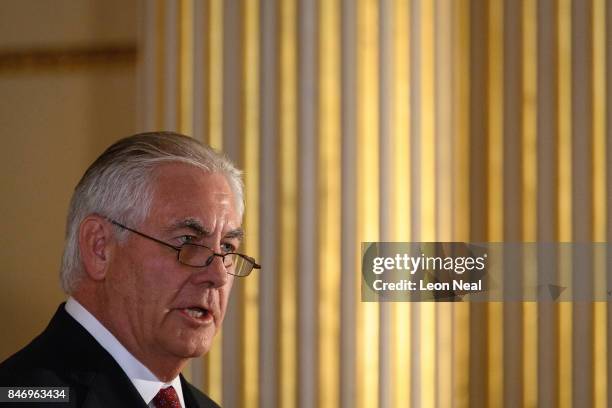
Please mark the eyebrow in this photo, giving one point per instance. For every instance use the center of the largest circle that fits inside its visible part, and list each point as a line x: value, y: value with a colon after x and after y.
x: 191, y: 223
x: 197, y: 227
x: 237, y: 233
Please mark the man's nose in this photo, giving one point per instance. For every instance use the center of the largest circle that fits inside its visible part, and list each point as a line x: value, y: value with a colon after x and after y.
x: 215, y: 274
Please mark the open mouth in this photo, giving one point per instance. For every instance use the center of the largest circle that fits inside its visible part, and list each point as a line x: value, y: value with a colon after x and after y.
x: 198, y: 314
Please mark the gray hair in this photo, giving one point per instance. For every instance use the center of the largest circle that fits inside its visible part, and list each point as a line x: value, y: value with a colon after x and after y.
x: 119, y: 185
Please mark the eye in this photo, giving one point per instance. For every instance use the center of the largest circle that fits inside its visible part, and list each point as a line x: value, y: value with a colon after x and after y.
x: 227, y: 247
x: 186, y: 239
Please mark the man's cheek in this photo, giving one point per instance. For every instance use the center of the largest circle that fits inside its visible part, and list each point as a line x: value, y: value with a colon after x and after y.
x: 224, y: 295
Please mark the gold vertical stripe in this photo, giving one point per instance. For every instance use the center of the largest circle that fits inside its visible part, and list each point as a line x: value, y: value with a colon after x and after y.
x: 185, y: 108
x: 599, y: 120
x: 495, y: 180
x: 212, y: 363
x: 427, y: 111
x: 367, y: 194
x: 329, y: 185
x: 287, y: 386
x: 250, y: 95
x: 444, y: 213
x: 565, y: 347
x: 160, y: 56
x: 428, y: 193
x: 529, y: 112
x: 461, y: 194
x: 600, y: 350
x: 461, y: 355
x: 461, y: 101
x: 401, y: 204
x: 401, y: 344
x: 444, y: 342
x: 565, y: 120
x: 214, y: 99
x: 401, y: 198
x: 530, y: 354
x: 444, y: 121
x: 565, y: 196
x: 428, y: 353
x: 495, y: 126
x: 529, y: 194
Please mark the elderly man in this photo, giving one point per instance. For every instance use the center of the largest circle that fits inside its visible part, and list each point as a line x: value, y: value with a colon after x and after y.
x: 150, y: 257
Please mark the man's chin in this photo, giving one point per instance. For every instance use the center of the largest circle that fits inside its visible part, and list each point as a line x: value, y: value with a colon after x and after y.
x: 197, y: 351
x: 188, y: 342
x: 191, y: 349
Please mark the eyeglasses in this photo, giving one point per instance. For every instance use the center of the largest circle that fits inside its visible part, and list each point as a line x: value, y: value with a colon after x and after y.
x: 200, y: 256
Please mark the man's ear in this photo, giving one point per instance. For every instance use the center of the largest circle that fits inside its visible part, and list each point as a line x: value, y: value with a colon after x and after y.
x: 95, y: 245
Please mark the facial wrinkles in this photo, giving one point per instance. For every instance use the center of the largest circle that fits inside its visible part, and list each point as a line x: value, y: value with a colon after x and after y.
x: 146, y: 317
x: 213, y: 302
x: 210, y: 296
x: 144, y: 296
x: 198, y: 294
x: 217, y: 217
x: 220, y: 217
x: 128, y: 290
x: 216, y: 224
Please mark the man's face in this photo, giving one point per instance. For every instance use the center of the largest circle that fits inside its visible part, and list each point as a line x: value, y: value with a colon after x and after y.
x: 164, y: 308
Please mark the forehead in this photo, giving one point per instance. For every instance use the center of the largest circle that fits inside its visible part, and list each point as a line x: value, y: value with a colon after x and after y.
x: 182, y: 191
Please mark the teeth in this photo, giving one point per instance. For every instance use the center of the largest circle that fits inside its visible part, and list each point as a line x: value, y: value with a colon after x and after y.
x: 195, y: 312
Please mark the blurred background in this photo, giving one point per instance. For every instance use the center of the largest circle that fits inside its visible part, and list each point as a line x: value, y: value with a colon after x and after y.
x: 354, y: 120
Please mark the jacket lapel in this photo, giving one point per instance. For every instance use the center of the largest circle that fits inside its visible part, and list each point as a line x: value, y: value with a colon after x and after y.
x: 98, y: 381
x: 109, y: 390
x: 190, y: 401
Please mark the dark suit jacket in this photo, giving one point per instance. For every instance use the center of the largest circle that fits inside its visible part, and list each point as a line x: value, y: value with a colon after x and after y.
x: 66, y: 355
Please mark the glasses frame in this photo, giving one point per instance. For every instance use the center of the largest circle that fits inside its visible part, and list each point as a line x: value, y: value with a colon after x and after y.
x: 178, y: 249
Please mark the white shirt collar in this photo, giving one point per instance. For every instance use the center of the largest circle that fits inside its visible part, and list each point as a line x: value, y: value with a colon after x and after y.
x: 146, y: 383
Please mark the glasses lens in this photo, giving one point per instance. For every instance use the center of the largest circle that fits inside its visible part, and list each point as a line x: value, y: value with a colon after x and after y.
x: 200, y: 256
x: 243, y: 266
x: 194, y: 255
x: 229, y: 260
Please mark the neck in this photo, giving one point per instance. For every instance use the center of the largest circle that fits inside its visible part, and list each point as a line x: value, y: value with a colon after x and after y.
x: 164, y: 372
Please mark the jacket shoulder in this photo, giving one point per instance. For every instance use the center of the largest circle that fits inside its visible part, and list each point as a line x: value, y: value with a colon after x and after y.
x: 51, y: 357
x: 33, y: 365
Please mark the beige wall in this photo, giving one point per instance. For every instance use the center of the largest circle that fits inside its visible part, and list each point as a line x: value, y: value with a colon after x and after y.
x: 56, y: 116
